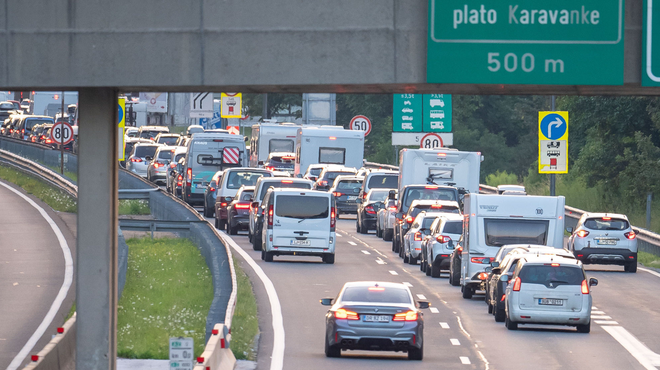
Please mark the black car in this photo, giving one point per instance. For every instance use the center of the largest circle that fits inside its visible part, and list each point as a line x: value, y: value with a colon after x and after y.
x: 368, y: 210
x: 455, y: 264
x: 346, y: 190
x: 238, y: 212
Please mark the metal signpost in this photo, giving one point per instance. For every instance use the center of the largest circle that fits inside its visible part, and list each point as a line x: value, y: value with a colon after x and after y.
x: 361, y: 123
x: 407, y: 113
x: 181, y: 353
x: 62, y: 133
x: 121, y: 117
x: 561, y: 42
x: 553, y: 144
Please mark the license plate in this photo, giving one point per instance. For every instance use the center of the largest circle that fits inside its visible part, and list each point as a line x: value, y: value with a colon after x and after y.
x: 352, y: 197
x: 606, y: 242
x: 376, y: 318
x: 300, y: 242
x: 551, y: 302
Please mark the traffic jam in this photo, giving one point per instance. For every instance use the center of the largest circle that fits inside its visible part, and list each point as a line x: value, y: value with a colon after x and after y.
x: 286, y: 186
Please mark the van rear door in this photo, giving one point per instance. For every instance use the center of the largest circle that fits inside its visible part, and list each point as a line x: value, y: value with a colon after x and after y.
x: 301, y: 220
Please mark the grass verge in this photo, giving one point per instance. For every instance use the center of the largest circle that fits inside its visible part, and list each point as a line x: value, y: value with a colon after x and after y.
x: 648, y: 259
x: 168, y: 293
x: 245, y: 324
x: 134, y: 207
x: 55, y: 198
x: 73, y: 176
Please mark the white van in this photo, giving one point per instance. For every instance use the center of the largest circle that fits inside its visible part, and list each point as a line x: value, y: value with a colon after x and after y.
x: 492, y: 221
x: 298, y: 222
x: 48, y: 103
x: 271, y: 137
x: 440, y: 167
x: 207, y: 154
x: 328, y: 145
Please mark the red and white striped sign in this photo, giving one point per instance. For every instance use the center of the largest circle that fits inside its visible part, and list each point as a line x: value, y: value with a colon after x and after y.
x: 230, y: 155
x: 234, y: 130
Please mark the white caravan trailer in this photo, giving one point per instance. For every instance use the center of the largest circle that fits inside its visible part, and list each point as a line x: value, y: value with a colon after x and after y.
x: 492, y: 221
x: 328, y: 145
x: 49, y: 103
x: 271, y: 137
x: 440, y: 167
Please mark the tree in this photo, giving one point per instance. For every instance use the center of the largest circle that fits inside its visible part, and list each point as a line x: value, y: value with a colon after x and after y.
x: 276, y: 103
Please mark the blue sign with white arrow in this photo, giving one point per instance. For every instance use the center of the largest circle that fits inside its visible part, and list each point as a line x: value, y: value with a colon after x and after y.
x: 553, y: 126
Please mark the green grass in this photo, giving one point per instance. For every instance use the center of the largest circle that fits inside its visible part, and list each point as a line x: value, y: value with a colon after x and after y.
x: 168, y: 293
x: 245, y: 325
x: 55, y: 198
x: 134, y: 207
x: 73, y: 176
x: 648, y: 259
x: 71, y: 311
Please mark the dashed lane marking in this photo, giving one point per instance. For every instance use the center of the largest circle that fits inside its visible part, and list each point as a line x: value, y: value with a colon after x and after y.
x: 380, y: 261
x: 455, y: 342
x: 444, y: 325
x: 433, y: 310
x: 594, y: 307
x: 407, y: 284
x: 366, y: 252
x: 606, y: 322
x: 339, y: 235
x: 597, y: 313
x: 465, y: 360
x: 601, y: 317
x: 421, y: 296
x: 394, y: 272
x: 351, y: 243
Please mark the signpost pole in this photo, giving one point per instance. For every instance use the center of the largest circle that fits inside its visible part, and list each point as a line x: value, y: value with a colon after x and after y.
x: 62, y: 139
x: 552, y: 175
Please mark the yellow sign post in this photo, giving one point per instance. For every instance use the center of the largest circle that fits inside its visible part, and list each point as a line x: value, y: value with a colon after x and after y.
x: 121, y: 117
x: 553, y: 142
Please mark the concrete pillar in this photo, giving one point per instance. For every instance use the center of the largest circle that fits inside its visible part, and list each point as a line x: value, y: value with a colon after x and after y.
x: 96, y: 284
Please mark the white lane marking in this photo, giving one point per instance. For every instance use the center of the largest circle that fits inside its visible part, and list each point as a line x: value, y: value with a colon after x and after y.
x: 454, y: 342
x: 642, y: 353
x: 597, y: 313
x: 465, y: 360
x: 434, y: 309
x: 601, y: 317
x: 594, y: 307
x: 380, y: 261
x: 351, y: 243
x: 460, y: 324
x: 444, y: 325
x: 64, y: 289
x: 606, y: 322
x: 277, y: 358
x: 366, y: 252
x: 483, y: 358
x: 407, y: 284
x: 421, y: 296
x: 339, y: 235
x: 649, y: 271
x: 394, y: 272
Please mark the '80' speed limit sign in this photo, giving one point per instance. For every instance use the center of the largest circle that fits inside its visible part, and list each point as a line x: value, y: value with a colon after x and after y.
x: 431, y: 141
x: 361, y: 123
x: 62, y: 133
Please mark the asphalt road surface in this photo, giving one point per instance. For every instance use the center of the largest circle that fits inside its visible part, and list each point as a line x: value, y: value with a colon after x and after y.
x: 459, y: 333
x: 32, y: 270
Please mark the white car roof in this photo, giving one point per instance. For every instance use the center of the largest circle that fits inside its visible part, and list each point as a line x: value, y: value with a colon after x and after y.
x: 297, y: 191
x: 601, y: 215
x: 545, y: 258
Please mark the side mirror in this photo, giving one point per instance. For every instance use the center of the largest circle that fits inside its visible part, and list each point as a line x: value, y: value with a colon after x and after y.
x: 593, y: 282
x: 504, y: 278
x: 399, y: 215
x: 423, y: 304
x: 495, y: 264
x: 326, y: 301
x: 391, y: 195
x: 254, y: 204
x: 496, y: 270
x: 636, y: 231
x: 569, y: 230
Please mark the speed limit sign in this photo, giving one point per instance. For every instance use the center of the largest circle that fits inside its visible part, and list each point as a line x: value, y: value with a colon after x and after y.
x: 62, y: 133
x: 431, y: 141
x: 361, y: 123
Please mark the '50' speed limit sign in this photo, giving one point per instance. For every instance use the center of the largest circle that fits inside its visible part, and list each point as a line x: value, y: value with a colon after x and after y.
x: 61, y: 133
x: 361, y: 123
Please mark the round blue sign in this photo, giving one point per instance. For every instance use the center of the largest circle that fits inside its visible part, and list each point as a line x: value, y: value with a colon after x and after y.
x: 553, y: 126
x: 120, y: 113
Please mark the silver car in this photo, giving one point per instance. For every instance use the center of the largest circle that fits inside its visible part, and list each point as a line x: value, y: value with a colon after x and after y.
x: 604, y: 238
x: 157, y: 168
x: 548, y: 289
x: 439, y: 245
x: 375, y: 316
x: 412, y: 241
x: 141, y: 155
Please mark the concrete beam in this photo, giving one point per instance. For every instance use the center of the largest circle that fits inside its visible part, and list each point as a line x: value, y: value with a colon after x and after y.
x: 96, y: 284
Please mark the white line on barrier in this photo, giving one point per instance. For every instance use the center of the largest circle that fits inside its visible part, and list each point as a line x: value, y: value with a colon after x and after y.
x: 277, y: 358
x: 64, y: 289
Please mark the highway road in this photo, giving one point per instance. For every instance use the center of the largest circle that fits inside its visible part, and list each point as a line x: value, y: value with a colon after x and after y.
x: 33, y: 269
x: 459, y: 333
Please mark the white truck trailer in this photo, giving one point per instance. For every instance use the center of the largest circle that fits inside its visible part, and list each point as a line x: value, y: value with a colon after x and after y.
x: 328, y: 145
x: 271, y: 138
x: 440, y: 167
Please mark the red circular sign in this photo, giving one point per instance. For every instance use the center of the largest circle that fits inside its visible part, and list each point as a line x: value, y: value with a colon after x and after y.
x: 431, y: 141
x: 61, y: 133
x: 361, y: 123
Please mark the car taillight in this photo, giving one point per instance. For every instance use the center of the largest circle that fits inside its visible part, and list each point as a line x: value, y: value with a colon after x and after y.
x: 172, y: 165
x: 364, y: 195
x: 158, y: 165
x: 405, y: 316
x: 241, y: 206
x: 443, y: 239
x: 392, y: 208
x: 223, y: 204
x: 179, y: 180
x: 323, y: 183
x: 370, y: 210
x: 585, y: 287
x: 269, y: 168
x: 132, y: 159
x: 333, y: 218
x: 482, y: 260
x: 459, y: 249
x: 337, y: 194
x: 516, y: 284
x: 630, y: 235
x: 23, y: 131
x: 418, y: 236
x: 188, y: 177
x: 482, y: 276
x: 270, y: 216
x: 33, y: 139
x: 211, y: 189
x: 345, y: 314
x: 50, y: 141
x: 582, y: 233
x: 409, y: 219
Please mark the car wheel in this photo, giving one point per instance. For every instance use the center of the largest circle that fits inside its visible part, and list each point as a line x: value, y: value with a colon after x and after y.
x: 387, y: 235
x: 256, y: 242
x: 233, y: 230
x: 630, y: 267
x: 427, y: 269
x: 411, y: 260
x: 416, y: 354
x: 331, y: 351
x: 329, y: 259
x: 455, y: 277
x: 467, y: 292
x: 217, y: 224
x: 435, y: 270
x: 490, y: 306
x: 584, y: 328
x: 500, y: 315
x: 510, y: 324
x: 402, y: 253
x: 363, y: 229
x: 249, y: 235
x: 222, y: 224
x: 421, y: 265
x: 207, y: 212
x: 268, y: 256
x: 357, y: 225
x: 263, y: 255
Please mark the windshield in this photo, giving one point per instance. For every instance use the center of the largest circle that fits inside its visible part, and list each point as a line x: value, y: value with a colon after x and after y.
x: 246, y: 195
x: 315, y: 171
x: 428, y: 193
x: 349, y: 186
x: 453, y: 227
x: 281, y: 184
x: 379, y: 195
x: 505, y: 231
x: 428, y: 221
x: 376, y: 294
x: 606, y: 224
x: 149, y: 134
x: 280, y: 145
x: 168, y: 140
x: 301, y: 206
x: 547, y: 274
x: 29, y: 123
x: 243, y: 178
x: 383, y: 182
x: 332, y: 155
x: 165, y: 154
x: 434, y: 208
x: 333, y: 175
x: 144, y: 151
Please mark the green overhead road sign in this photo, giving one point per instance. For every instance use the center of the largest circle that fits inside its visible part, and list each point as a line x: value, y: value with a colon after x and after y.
x: 651, y: 45
x: 545, y: 42
x: 437, y: 113
x: 407, y: 113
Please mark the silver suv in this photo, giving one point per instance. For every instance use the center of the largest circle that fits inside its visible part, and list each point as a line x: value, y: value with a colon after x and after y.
x: 604, y: 238
x: 548, y: 289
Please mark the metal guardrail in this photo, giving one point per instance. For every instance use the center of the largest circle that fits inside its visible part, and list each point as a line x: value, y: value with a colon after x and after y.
x: 373, y: 165
x: 136, y: 193
x: 27, y: 143
x: 42, y: 172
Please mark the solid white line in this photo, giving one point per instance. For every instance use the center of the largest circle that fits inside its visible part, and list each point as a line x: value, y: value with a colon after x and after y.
x: 366, y: 252
x: 277, y: 358
x: 483, y: 358
x: 394, y: 272
x: 64, y: 289
x: 642, y: 353
x: 421, y: 296
x: 444, y: 325
x: 407, y: 284
x: 465, y: 360
x: 351, y: 243
x: 606, y: 322
x: 460, y: 324
x: 649, y: 271
x: 600, y: 317
x: 434, y: 309
x: 455, y: 342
